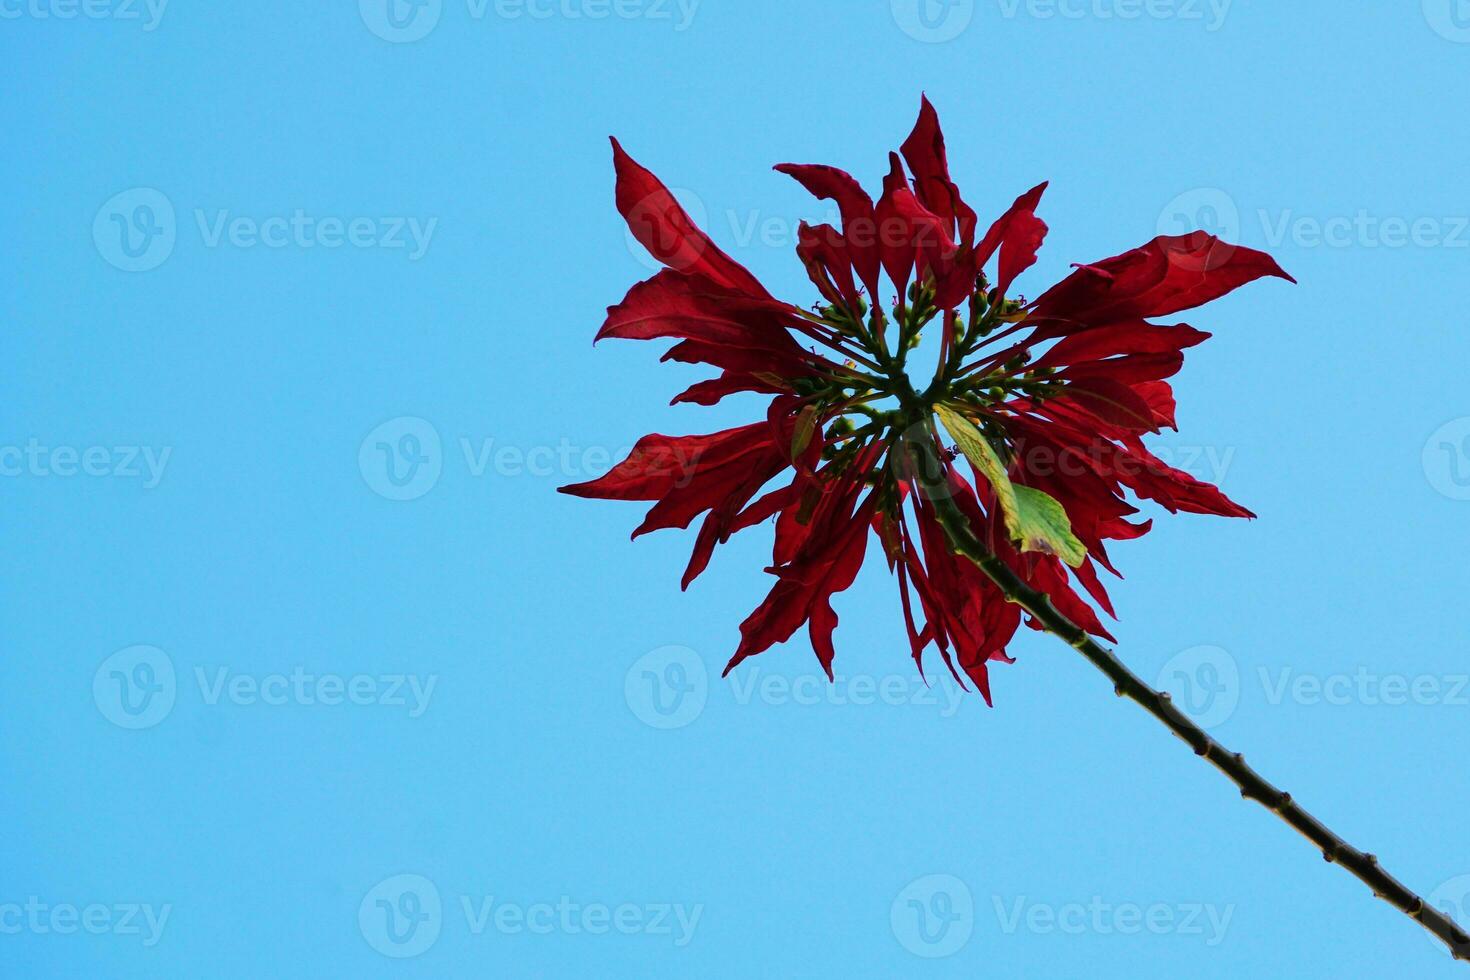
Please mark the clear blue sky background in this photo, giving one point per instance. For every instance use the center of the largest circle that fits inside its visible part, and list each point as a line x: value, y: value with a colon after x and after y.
x: 808, y: 830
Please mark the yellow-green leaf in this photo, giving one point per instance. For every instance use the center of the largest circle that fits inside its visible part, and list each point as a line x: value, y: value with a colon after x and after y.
x: 982, y: 455
x: 1043, y: 525
x: 1036, y: 520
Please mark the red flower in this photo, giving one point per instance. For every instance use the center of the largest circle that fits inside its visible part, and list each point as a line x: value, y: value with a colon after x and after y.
x: 1048, y: 401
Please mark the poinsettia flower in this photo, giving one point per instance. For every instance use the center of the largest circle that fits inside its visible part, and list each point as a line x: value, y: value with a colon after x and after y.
x: 1047, y: 403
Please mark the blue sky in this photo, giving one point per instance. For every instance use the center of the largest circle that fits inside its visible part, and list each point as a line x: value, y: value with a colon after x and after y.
x: 308, y: 671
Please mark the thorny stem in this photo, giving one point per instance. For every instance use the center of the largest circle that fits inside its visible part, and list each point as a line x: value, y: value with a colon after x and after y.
x: 1159, y: 704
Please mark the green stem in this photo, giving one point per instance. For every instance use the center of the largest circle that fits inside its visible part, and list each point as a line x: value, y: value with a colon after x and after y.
x: 1126, y: 684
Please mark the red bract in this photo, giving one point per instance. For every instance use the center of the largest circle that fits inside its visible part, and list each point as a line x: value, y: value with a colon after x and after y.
x: 1049, y: 402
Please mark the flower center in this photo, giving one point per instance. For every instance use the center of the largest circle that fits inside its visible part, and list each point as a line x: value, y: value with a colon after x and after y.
x: 978, y: 374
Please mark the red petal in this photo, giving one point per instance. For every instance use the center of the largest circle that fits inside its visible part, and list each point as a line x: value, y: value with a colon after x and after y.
x: 659, y: 463
x: 925, y: 154
x: 1160, y: 398
x: 1048, y: 576
x: 1018, y: 235
x: 1111, y: 401
x: 1130, y: 370
x: 824, y: 253
x: 664, y: 228
x: 910, y: 236
x: 1169, y: 274
x: 1087, y: 575
x: 674, y: 304
x: 1176, y: 490
x: 1017, y: 222
x: 1135, y: 337
x: 712, y: 391
x: 859, y: 225
x: 828, y: 565
x: 895, y: 239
